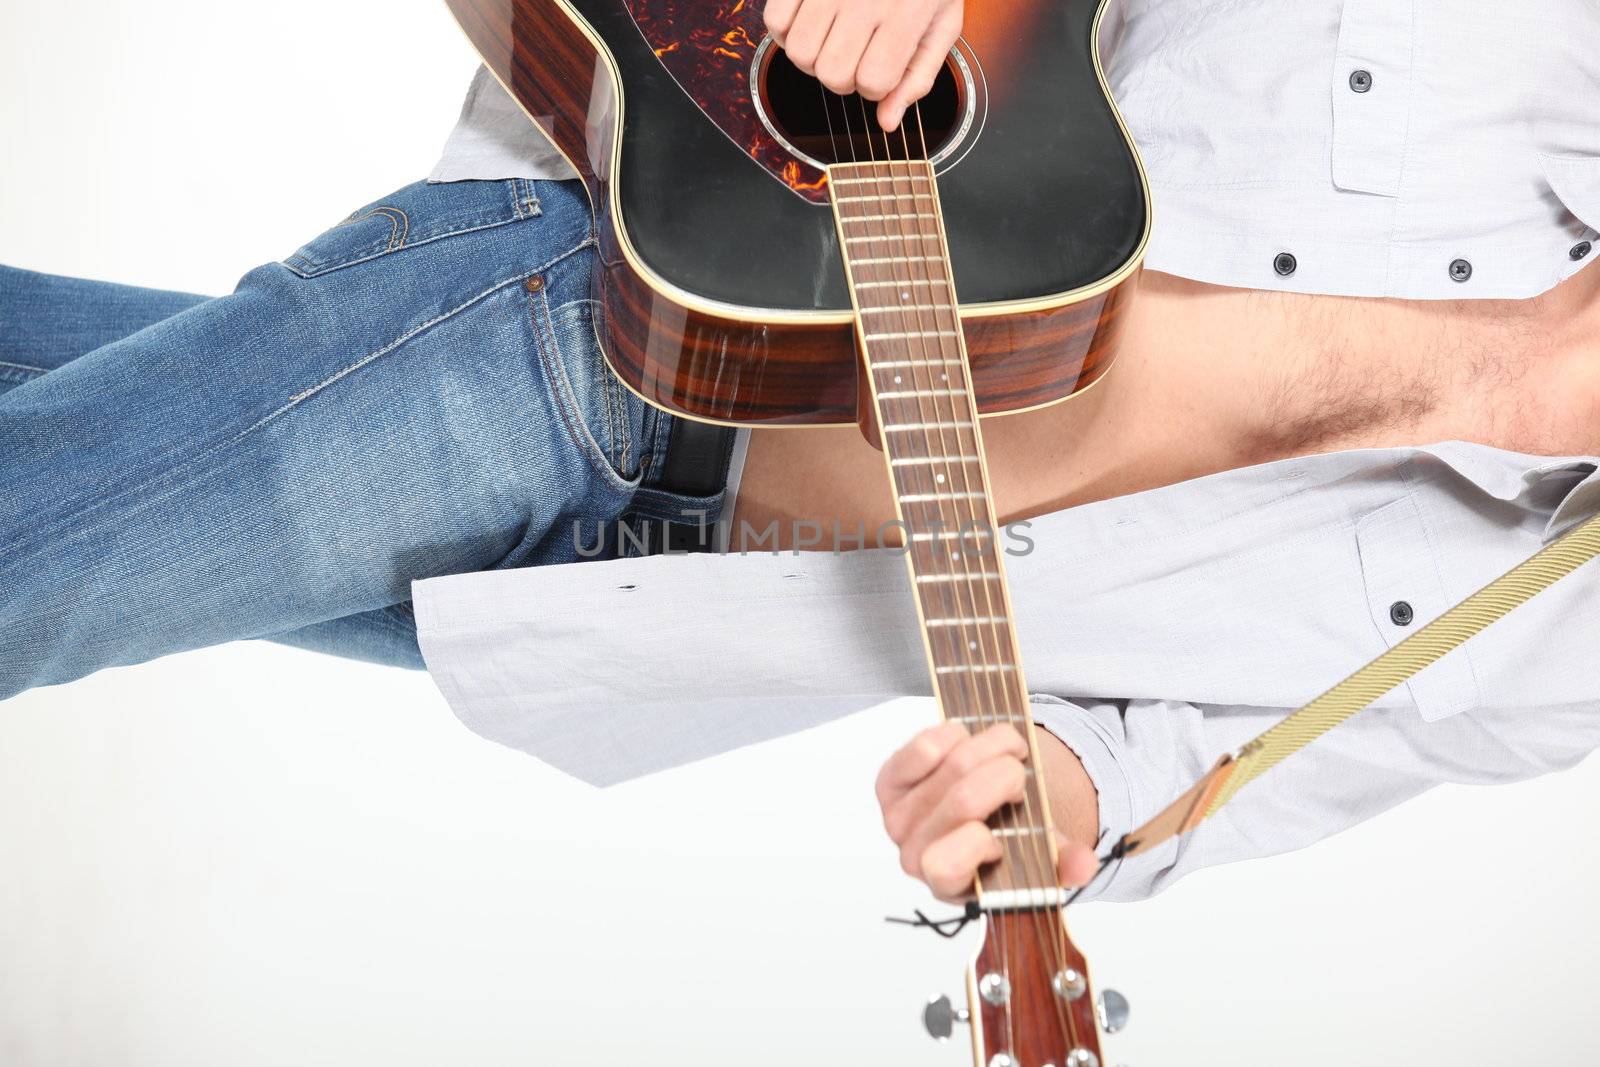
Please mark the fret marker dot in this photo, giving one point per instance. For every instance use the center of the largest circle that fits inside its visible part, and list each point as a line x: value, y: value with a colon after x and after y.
x: 897, y: 379
x: 944, y: 377
x: 905, y: 296
x: 972, y: 645
x: 939, y: 478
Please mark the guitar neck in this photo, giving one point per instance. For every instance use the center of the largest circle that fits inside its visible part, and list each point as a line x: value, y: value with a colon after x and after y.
x: 909, y: 331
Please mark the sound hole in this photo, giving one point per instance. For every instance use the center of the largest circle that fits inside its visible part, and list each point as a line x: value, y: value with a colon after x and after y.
x: 824, y: 127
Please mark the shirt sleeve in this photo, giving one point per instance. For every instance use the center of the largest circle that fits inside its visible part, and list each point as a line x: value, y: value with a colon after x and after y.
x: 1142, y: 754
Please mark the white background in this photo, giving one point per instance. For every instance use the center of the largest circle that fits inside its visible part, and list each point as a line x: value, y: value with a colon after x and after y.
x: 251, y: 855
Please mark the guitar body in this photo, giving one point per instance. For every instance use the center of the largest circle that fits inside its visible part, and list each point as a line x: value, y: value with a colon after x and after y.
x: 724, y: 295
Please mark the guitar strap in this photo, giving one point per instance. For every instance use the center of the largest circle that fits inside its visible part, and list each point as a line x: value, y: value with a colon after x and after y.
x: 1450, y: 630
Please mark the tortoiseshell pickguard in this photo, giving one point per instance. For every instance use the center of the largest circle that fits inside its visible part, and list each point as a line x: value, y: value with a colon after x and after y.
x: 707, y: 46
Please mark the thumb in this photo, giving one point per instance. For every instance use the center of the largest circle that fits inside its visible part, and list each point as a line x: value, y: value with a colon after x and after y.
x: 1077, y: 863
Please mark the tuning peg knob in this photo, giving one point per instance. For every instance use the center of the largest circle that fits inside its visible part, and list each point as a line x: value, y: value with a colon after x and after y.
x: 940, y: 1018
x: 1113, y: 1011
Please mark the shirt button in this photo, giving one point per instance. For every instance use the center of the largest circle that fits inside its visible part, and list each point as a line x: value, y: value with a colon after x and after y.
x: 1400, y: 613
x: 1284, y: 264
x: 1360, y: 80
x: 1460, y: 270
x: 1579, y: 250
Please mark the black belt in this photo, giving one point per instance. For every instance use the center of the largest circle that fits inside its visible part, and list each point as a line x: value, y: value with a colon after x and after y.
x: 696, y: 464
x: 697, y: 458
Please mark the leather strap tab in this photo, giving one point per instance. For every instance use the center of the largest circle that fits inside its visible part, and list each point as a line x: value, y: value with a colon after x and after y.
x: 1182, y: 815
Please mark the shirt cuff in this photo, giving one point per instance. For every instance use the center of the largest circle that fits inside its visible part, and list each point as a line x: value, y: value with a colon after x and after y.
x: 1093, y: 735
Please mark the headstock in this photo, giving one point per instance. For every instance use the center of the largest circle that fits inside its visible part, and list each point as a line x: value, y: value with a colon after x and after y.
x: 1029, y: 995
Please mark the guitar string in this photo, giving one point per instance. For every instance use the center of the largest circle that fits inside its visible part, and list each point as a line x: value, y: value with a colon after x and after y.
x: 990, y: 651
x: 1014, y: 846
x: 880, y: 200
x: 999, y: 634
x: 983, y: 705
x: 984, y: 702
x: 1043, y: 872
x: 1036, y: 919
x: 1054, y: 917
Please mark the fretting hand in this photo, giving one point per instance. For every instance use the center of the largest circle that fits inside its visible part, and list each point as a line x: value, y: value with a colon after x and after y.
x: 937, y: 792
x: 888, y: 50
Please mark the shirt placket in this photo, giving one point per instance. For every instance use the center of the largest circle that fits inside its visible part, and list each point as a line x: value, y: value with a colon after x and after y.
x: 1371, y: 92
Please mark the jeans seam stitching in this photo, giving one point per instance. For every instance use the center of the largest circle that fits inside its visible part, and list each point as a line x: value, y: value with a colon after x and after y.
x: 566, y: 400
x: 369, y: 252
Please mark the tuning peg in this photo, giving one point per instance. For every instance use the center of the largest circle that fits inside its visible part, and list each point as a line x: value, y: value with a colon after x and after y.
x: 940, y: 1017
x: 1113, y: 1011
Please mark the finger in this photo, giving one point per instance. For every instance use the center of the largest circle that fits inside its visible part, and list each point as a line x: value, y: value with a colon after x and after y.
x: 903, y: 811
x: 885, y: 60
x: 962, y: 759
x: 924, y: 67
x: 780, y: 15
x: 1077, y: 862
x: 809, y: 30
x: 974, y: 798
x: 841, y: 52
x: 950, y: 865
x: 917, y: 759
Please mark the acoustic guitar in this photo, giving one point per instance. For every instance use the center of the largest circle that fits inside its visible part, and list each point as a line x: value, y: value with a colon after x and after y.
x: 769, y: 256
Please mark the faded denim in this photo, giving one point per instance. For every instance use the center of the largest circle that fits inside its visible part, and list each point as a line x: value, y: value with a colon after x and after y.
x: 416, y: 392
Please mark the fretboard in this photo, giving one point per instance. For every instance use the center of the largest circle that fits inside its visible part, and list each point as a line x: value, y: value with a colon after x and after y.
x: 909, y: 330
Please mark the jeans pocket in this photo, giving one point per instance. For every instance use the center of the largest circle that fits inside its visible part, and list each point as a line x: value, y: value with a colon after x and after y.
x: 416, y: 215
x: 605, y: 420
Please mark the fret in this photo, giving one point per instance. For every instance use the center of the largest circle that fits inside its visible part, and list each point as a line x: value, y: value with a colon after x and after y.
x: 908, y: 281
x: 901, y: 308
x: 875, y: 261
x: 887, y: 364
x: 937, y: 579
x: 898, y: 335
x: 886, y: 237
x: 1016, y: 831
x: 975, y: 668
x: 914, y: 427
x: 880, y: 197
x: 928, y: 498
x: 887, y: 193
x: 888, y: 218
x: 917, y: 461
x: 969, y: 620
x: 974, y: 534
x: 904, y: 394
x: 877, y: 180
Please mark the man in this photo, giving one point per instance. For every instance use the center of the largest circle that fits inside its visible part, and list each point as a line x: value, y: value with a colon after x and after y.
x: 189, y: 482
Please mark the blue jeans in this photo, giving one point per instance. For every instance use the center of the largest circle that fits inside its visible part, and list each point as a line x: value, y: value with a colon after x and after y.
x: 416, y: 392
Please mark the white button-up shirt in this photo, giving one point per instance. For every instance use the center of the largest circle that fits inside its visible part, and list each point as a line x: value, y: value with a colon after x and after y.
x: 1157, y: 631
x: 1430, y: 149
